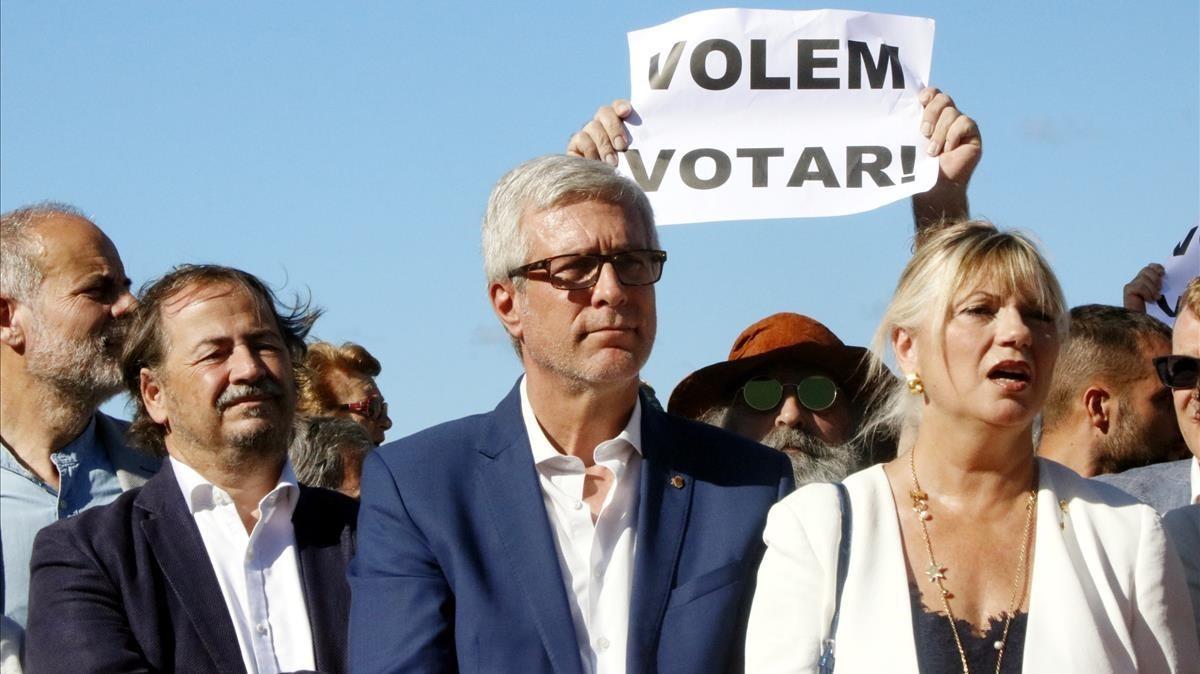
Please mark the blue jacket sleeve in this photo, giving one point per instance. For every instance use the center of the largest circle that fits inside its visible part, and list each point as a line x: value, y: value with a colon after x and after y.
x: 401, y: 608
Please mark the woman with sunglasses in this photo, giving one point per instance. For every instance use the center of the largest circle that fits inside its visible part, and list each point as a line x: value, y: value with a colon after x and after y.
x: 967, y: 553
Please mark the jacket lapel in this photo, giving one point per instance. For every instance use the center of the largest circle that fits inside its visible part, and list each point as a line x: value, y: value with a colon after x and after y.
x: 662, y: 518
x: 323, y: 545
x: 513, y: 493
x: 175, y: 541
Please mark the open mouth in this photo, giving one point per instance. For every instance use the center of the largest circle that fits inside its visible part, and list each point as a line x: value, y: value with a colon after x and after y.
x: 1011, y: 374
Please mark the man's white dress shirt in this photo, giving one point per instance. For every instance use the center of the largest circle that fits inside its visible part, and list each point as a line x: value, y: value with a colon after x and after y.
x: 259, y: 572
x: 596, y: 558
x: 1195, y: 481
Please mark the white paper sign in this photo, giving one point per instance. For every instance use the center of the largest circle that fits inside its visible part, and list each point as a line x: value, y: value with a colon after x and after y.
x: 744, y: 114
x: 1181, y: 268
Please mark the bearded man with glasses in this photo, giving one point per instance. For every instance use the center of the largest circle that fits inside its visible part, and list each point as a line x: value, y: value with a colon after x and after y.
x: 791, y: 384
x: 575, y: 528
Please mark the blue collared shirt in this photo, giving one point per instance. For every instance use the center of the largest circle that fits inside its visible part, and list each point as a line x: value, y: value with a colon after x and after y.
x: 86, y: 479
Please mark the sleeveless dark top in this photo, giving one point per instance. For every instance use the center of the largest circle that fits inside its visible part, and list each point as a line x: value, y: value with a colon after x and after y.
x: 937, y: 653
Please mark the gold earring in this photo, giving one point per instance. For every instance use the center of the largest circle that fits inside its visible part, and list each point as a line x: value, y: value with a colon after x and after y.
x: 915, y: 386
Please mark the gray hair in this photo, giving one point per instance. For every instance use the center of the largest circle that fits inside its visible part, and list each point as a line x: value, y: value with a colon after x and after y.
x: 549, y: 182
x: 20, y: 247
x: 321, y: 446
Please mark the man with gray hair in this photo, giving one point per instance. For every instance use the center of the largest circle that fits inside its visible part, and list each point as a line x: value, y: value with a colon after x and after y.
x: 1107, y: 411
x: 328, y: 452
x: 63, y: 296
x: 575, y: 528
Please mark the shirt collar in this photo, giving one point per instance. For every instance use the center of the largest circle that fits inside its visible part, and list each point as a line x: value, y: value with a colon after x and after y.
x: 200, y: 494
x: 544, y: 451
x: 72, y: 454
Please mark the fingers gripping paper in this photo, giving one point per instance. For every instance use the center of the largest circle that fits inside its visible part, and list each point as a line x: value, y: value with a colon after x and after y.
x: 748, y: 114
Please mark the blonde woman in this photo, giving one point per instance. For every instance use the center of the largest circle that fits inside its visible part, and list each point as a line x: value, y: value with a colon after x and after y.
x: 967, y: 553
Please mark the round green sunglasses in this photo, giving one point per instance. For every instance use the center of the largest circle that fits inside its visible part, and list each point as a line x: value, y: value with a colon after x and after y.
x: 816, y: 393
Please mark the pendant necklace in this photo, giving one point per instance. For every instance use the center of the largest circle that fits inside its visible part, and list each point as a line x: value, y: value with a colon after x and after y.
x: 937, y: 573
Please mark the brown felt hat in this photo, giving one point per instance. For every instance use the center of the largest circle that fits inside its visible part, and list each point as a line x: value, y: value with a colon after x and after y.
x: 785, y: 336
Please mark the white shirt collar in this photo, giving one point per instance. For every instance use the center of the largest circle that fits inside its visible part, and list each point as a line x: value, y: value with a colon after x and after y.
x: 543, y: 449
x: 200, y: 494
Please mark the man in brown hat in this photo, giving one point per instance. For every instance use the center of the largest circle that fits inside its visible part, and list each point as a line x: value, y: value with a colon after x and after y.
x: 790, y: 384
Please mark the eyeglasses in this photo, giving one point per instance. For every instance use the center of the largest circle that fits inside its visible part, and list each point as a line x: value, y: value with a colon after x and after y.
x: 579, y: 271
x: 1178, y: 371
x: 816, y: 393
x: 373, y: 408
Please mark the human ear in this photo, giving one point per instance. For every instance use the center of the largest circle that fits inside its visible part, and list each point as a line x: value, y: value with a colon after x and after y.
x: 11, y: 331
x: 152, y: 396
x: 1097, y: 404
x: 506, y: 303
x: 904, y: 345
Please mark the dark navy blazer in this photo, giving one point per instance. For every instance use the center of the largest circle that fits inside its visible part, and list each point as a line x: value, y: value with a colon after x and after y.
x: 457, y: 569
x: 128, y: 587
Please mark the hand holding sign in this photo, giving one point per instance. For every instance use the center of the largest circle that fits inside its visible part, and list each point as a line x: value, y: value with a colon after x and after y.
x: 954, y: 138
x: 744, y: 114
x: 1160, y: 291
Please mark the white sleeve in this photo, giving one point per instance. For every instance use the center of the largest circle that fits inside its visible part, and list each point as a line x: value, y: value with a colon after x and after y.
x: 1163, y: 631
x: 793, y: 599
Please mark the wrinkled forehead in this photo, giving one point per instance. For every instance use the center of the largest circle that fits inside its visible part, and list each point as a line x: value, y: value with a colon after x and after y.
x: 73, y: 247
x: 582, y: 223
x: 1185, y: 336
x: 206, y: 311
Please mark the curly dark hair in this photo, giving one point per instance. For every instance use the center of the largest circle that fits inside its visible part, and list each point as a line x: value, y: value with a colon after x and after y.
x: 145, y: 347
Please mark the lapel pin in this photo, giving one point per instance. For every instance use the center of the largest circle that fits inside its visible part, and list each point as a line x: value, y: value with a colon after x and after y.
x: 677, y: 482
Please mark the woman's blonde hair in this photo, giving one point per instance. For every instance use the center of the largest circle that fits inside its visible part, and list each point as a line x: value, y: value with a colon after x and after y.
x: 953, y: 260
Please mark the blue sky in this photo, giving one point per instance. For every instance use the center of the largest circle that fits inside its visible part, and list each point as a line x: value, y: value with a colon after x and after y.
x: 347, y: 149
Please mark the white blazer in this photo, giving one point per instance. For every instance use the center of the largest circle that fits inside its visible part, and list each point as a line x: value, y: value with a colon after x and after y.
x: 1107, y: 595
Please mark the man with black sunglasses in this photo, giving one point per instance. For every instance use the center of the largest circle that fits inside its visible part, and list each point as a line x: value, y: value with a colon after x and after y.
x: 790, y: 384
x: 1171, y: 485
x: 575, y: 528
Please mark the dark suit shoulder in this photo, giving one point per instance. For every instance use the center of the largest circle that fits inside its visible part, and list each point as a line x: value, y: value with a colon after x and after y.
x: 705, y: 449
x: 332, y: 507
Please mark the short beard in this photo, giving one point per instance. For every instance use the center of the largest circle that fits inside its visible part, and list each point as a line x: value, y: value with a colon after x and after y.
x: 254, y: 445
x: 81, y: 373
x: 817, y: 460
x: 1128, y: 445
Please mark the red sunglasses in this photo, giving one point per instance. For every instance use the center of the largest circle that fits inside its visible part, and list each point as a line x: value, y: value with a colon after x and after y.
x: 373, y: 408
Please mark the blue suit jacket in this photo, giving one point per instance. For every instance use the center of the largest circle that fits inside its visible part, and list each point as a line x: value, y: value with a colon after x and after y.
x: 1162, y: 486
x: 129, y: 587
x: 457, y: 569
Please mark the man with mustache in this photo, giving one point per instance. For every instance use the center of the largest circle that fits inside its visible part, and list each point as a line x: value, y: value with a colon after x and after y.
x: 790, y: 384
x: 575, y: 528
x: 63, y: 298
x: 221, y: 562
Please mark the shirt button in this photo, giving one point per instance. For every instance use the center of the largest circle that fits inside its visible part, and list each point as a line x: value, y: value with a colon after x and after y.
x: 579, y: 505
x: 598, y: 573
x: 261, y: 628
x: 602, y: 643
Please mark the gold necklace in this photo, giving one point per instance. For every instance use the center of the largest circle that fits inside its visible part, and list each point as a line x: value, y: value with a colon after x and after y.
x: 937, y: 572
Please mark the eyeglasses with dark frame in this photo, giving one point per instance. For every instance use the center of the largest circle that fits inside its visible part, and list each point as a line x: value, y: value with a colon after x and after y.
x: 815, y: 392
x: 373, y: 408
x: 577, y: 271
x: 1178, y: 372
